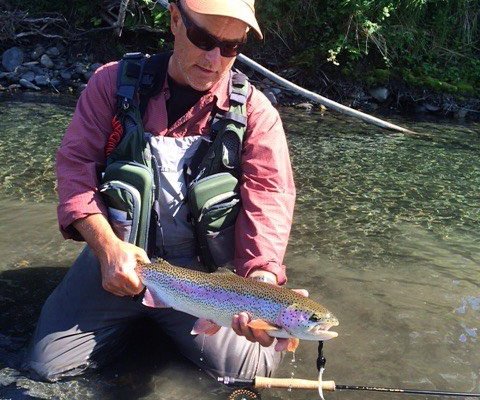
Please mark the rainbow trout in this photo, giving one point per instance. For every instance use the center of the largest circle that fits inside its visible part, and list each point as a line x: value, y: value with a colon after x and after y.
x: 216, y: 297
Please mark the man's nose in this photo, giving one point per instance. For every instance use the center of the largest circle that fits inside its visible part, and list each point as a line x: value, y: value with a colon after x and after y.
x: 214, y: 56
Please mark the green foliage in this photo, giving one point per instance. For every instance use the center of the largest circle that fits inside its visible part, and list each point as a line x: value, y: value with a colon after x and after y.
x: 78, y: 12
x: 148, y: 13
x: 434, y: 43
x: 420, y: 39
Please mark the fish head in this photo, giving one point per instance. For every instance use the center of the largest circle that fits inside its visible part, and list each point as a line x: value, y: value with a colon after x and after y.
x: 308, y: 320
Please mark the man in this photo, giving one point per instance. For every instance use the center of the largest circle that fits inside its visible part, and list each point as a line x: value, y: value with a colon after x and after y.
x: 86, y: 318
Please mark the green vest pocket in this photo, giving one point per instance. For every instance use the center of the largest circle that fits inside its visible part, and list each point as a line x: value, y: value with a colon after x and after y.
x: 128, y: 191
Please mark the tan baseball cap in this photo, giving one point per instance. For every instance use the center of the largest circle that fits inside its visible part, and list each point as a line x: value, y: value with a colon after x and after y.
x: 244, y: 10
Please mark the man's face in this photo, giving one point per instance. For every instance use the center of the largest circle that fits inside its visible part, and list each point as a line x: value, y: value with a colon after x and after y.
x: 193, y: 66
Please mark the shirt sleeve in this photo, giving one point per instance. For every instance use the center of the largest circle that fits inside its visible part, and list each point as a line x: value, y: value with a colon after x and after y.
x: 81, y: 157
x: 267, y: 192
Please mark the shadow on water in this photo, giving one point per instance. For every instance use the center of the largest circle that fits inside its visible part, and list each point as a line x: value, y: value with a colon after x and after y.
x: 148, y: 364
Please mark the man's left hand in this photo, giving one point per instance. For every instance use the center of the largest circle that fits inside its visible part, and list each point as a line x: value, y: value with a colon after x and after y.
x: 240, y: 321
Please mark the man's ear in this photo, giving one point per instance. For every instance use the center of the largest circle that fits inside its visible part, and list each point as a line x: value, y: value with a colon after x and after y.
x: 175, y: 17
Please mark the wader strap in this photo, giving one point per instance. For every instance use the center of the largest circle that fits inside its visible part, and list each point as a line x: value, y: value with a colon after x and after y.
x: 239, y: 88
x: 130, y: 69
x: 140, y: 78
x: 153, y: 78
x: 235, y: 117
x: 227, y: 133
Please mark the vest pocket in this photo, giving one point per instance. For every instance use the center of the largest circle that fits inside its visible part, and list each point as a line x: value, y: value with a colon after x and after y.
x: 128, y: 192
x: 214, y: 204
x: 124, y: 204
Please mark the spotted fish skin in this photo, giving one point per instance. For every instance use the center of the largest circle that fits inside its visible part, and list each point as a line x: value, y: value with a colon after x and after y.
x: 218, y: 296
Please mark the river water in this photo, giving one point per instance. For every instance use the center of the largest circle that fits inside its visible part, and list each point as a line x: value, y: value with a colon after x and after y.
x: 386, y: 234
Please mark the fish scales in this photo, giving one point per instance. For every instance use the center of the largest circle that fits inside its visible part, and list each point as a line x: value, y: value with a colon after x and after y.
x: 228, y: 290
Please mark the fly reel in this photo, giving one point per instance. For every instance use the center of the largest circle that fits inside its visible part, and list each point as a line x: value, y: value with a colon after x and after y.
x: 244, y: 394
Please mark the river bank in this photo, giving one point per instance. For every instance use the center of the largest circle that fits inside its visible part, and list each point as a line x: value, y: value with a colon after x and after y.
x: 53, y: 67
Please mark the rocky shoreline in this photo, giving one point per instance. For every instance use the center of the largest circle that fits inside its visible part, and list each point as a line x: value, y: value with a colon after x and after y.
x: 47, y: 69
x: 50, y: 68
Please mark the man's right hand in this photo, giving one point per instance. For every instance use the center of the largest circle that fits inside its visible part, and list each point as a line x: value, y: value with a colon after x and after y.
x: 118, y: 259
x: 118, y: 263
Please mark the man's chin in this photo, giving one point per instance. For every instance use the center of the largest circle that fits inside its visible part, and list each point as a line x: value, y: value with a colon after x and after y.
x: 202, y: 86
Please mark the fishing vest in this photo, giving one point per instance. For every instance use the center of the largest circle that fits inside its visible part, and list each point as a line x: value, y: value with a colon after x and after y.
x: 130, y: 183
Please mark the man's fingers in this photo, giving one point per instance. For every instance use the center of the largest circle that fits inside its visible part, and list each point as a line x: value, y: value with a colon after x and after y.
x: 123, y: 285
x: 244, y: 329
x: 303, y: 292
x: 281, y: 345
x: 241, y: 328
x: 142, y: 257
x: 133, y: 284
x: 262, y: 337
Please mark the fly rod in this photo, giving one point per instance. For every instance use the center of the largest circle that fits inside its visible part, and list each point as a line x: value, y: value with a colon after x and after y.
x: 329, y: 386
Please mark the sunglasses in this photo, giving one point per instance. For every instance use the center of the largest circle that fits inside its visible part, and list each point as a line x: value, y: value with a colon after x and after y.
x: 204, y: 40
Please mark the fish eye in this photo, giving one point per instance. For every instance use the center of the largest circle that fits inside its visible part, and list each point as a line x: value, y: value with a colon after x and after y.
x: 314, y: 318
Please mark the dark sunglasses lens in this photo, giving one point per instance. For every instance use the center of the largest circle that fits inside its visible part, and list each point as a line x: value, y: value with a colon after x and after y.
x: 200, y: 38
x: 204, y: 41
x: 230, y: 50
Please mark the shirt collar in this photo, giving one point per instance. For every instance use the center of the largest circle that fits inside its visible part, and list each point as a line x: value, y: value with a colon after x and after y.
x: 219, y: 92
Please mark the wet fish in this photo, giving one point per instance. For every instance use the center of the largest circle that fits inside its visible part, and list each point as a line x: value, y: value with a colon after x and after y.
x: 216, y: 297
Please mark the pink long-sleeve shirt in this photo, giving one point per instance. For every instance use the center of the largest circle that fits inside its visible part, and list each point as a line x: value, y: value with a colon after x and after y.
x: 267, y: 188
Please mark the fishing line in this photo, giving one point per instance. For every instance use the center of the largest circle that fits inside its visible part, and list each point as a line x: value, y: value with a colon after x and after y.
x: 250, y: 386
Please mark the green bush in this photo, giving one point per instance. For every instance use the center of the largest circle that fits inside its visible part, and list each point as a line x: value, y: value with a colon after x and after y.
x: 439, y: 39
x: 369, y: 39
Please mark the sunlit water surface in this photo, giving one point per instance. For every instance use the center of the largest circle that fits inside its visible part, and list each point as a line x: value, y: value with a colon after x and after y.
x: 386, y: 234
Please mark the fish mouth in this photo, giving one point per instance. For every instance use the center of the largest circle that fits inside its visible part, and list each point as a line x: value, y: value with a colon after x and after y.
x: 322, y: 331
x: 326, y: 335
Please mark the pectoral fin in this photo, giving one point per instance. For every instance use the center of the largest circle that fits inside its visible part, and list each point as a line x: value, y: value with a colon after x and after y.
x: 150, y: 300
x: 261, y: 324
x: 293, y: 344
x: 205, y: 326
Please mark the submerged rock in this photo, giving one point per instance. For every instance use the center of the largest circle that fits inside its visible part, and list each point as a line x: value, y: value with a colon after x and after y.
x: 305, y: 106
x: 53, y: 52
x: 432, y: 108
x: 42, y: 80
x: 380, y: 93
x: 37, y: 52
x: 46, y: 61
x: 29, y: 76
x: 12, y: 58
x: 28, y: 85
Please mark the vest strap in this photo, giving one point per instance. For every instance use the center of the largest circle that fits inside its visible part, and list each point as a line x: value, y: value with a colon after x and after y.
x: 234, y: 116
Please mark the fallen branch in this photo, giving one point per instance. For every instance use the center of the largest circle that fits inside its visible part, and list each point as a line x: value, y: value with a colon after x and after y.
x: 320, y: 99
x: 17, y: 25
x: 37, y: 33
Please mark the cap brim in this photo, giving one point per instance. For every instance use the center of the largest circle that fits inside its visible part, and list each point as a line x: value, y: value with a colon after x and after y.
x: 237, y: 9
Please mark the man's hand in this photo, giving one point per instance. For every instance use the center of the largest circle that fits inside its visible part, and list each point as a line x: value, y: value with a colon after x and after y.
x: 118, y: 264
x: 118, y: 259
x: 240, y: 321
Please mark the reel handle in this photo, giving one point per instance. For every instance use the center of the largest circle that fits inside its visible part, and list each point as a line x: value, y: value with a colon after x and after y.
x: 290, y: 383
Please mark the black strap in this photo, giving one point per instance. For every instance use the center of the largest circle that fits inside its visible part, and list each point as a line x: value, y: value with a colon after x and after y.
x: 321, y: 360
x: 153, y: 78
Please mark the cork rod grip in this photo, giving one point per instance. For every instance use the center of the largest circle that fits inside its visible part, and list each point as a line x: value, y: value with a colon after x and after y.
x: 290, y: 383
